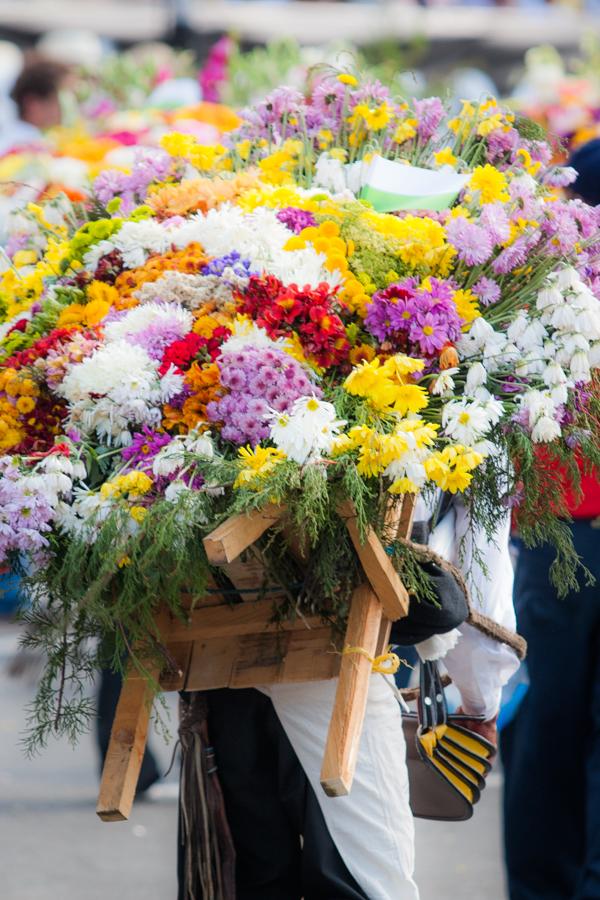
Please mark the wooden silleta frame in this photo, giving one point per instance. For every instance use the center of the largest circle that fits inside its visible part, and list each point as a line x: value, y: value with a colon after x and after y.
x: 223, y: 645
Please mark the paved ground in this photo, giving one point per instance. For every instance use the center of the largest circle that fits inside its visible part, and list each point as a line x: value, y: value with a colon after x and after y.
x: 52, y: 846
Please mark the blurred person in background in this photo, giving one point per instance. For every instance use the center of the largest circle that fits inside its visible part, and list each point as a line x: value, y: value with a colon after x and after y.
x: 551, y: 748
x: 36, y: 97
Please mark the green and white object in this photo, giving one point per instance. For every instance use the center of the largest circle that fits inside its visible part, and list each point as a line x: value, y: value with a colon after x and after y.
x: 390, y: 186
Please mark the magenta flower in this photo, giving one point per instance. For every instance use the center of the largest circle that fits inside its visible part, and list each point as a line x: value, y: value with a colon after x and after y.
x: 430, y: 332
x: 144, y: 447
x: 296, y: 219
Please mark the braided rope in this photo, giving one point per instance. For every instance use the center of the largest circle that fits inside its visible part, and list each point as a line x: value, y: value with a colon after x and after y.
x: 478, y: 620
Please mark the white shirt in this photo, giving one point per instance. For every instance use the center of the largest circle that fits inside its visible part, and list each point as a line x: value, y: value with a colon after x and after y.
x: 478, y: 665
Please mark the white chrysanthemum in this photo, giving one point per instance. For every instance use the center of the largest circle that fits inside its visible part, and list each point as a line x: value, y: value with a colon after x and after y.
x: 554, y: 374
x: 443, y: 386
x: 137, y: 240
x: 258, y: 236
x: 545, y: 430
x: 410, y: 466
x: 467, y: 421
x: 95, y: 254
x: 330, y: 174
x: 116, y: 387
x: 308, y: 431
x: 142, y: 317
x: 246, y: 333
x: 173, y: 456
x: 566, y: 279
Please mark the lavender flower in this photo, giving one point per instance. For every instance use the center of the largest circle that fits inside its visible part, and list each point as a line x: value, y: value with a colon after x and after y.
x: 231, y: 262
x: 430, y: 113
x: 487, y: 291
x: 496, y: 222
x: 26, y: 511
x: 257, y: 379
x: 472, y: 242
x: 560, y: 176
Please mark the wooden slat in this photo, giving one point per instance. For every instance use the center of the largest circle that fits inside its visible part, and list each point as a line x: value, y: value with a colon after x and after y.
x: 251, y: 660
x: 377, y: 566
x: 237, y: 533
x: 242, y: 618
x: 126, y: 748
x: 341, y: 749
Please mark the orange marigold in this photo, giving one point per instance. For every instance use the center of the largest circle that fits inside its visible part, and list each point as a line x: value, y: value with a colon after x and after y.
x: 203, y: 380
x: 198, y: 193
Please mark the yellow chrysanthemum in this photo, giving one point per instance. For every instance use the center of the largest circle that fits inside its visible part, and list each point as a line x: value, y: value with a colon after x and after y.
x: 256, y: 465
x: 445, y: 157
x: 490, y: 183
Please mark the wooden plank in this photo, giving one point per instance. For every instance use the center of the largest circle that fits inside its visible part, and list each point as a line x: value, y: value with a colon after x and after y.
x: 126, y: 748
x: 377, y: 566
x: 341, y: 749
x: 251, y: 660
x: 237, y: 533
x: 242, y: 618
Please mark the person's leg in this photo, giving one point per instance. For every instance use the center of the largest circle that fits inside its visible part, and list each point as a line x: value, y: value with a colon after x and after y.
x: 545, y: 750
x: 589, y: 886
x: 373, y: 826
x: 108, y: 697
x: 244, y: 733
x: 324, y: 874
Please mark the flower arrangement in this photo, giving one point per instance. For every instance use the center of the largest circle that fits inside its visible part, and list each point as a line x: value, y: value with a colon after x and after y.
x: 234, y: 326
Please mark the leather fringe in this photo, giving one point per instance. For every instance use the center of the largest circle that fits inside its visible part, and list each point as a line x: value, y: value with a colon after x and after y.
x: 209, y: 854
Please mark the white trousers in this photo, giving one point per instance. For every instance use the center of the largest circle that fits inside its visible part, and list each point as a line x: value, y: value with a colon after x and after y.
x: 372, y: 827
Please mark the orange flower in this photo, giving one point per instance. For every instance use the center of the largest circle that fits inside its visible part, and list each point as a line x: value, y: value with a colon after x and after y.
x: 198, y: 193
x: 448, y: 357
x: 190, y: 260
x: 204, y: 382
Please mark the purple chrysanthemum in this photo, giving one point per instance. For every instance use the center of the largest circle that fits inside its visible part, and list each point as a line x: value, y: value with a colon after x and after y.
x: 231, y: 261
x: 487, y: 291
x: 256, y: 379
x: 430, y: 113
x: 472, y: 242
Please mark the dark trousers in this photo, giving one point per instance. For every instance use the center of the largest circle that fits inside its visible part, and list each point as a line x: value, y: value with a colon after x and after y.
x: 283, y: 848
x: 551, y: 751
x: 108, y: 697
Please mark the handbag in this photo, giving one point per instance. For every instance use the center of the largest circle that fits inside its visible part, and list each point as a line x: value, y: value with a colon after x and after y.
x: 447, y: 763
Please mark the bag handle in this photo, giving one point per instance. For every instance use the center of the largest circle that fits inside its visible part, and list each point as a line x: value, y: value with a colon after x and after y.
x: 432, y: 708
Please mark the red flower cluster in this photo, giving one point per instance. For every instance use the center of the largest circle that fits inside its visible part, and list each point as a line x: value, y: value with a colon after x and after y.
x: 280, y: 309
x: 40, y: 349
x: 42, y: 426
x: 183, y: 352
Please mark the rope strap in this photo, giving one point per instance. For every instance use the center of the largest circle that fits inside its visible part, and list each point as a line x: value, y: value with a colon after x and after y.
x: 385, y: 664
x: 482, y: 623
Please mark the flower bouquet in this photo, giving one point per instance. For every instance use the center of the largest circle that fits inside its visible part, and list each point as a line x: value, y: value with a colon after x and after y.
x: 241, y: 328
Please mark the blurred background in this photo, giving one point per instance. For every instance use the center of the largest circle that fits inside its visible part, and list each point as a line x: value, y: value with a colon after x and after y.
x: 133, y: 65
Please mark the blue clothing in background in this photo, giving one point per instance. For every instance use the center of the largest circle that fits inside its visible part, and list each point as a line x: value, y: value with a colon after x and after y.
x: 9, y: 593
x: 551, y: 749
